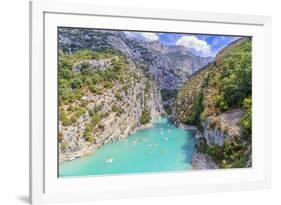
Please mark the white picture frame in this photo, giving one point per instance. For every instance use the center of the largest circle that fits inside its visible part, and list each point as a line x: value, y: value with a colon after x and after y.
x: 45, y: 187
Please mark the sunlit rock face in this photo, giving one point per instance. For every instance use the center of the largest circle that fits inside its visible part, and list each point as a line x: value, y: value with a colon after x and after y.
x: 120, y: 117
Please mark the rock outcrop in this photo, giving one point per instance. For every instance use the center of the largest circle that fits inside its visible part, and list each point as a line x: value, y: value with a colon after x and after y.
x: 93, y: 64
x: 116, y: 116
x: 217, y: 129
x: 214, y: 131
x: 201, y: 161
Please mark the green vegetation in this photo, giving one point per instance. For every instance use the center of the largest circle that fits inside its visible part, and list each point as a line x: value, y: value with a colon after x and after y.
x: 77, y: 79
x: 118, y: 110
x: 220, y: 102
x: 233, y: 153
x: 125, y: 88
x: 88, y: 133
x: 64, y: 146
x: 95, y: 110
x: 71, y: 115
x: 235, y: 82
x: 145, y: 117
x: 96, y: 89
x: 73, y: 85
x: 108, y: 84
x: 60, y: 137
x: 246, y: 121
x: 197, y: 109
x: 73, y: 119
x: 223, y: 86
x: 170, y: 96
x: 147, y: 87
x: 76, y: 83
x: 96, y: 115
x: 168, y: 109
x: 188, y: 102
x: 96, y: 118
x: 118, y: 96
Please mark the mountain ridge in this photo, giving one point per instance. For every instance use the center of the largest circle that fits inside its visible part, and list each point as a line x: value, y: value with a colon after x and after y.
x: 157, y: 59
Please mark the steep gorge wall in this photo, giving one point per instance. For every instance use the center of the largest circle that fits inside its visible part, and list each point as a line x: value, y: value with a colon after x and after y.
x: 200, y: 102
x: 119, y: 114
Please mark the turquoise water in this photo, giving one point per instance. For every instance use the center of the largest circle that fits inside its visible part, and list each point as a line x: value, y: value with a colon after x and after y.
x: 161, y: 148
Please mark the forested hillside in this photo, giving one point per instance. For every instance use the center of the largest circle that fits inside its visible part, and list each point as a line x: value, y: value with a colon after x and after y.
x: 217, y: 99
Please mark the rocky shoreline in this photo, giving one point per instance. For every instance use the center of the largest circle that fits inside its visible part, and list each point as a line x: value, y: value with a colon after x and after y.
x: 202, y: 161
x: 90, y: 149
x: 229, y: 128
x: 182, y: 125
x: 199, y: 161
x: 149, y: 125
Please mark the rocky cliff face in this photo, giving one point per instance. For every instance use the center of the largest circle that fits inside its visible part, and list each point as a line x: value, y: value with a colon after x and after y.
x: 110, y: 112
x: 216, y: 129
x: 201, y: 161
x: 223, y: 124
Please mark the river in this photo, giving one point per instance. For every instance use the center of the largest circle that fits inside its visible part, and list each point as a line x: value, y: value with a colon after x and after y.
x: 162, y: 148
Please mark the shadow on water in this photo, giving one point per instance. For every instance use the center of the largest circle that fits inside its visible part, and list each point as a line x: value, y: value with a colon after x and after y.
x: 189, y: 146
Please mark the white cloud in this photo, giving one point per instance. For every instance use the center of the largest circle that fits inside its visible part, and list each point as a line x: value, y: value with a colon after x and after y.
x: 150, y: 36
x: 194, y: 44
x: 144, y: 36
x: 130, y: 34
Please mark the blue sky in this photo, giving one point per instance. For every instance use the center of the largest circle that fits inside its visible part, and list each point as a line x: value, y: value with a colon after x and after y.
x: 202, y: 45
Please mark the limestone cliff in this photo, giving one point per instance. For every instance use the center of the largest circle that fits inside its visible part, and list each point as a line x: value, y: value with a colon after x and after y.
x: 108, y: 111
x: 201, y: 161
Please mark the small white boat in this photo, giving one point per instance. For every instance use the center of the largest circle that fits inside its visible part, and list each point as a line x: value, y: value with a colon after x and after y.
x: 156, y: 145
x: 109, y: 160
x: 134, y: 141
x: 144, y: 139
x: 166, y: 138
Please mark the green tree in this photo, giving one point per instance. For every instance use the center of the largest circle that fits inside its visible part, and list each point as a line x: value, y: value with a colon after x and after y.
x: 246, y: 120
x: 118, y: 96
x: 236, y: 80
x: 197, y: 109
x: 145, y: 117
x: 76, y: 83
